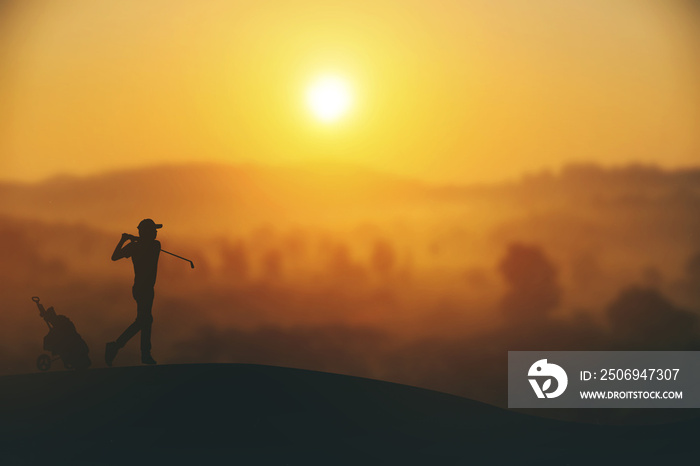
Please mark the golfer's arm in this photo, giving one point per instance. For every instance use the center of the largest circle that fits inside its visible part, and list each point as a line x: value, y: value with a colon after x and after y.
x: 119, y: 251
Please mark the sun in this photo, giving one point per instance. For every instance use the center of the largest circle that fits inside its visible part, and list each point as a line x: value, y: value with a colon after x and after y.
x: 329, y: 98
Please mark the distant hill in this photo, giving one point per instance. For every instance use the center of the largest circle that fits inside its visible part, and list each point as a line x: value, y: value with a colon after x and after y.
x: 203, y: 198
x: 247, y: 414
x: 206, y: 197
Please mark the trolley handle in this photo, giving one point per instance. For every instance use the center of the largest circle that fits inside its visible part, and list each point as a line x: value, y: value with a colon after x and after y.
x: 42, y: 311
x: 39, y: 305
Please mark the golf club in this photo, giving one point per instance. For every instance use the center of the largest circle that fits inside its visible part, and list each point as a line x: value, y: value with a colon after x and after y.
x: 136, y: 238
x: 179, y: 257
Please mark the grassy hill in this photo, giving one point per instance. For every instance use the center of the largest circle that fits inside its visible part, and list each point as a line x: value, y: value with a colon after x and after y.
x: 249, y: 414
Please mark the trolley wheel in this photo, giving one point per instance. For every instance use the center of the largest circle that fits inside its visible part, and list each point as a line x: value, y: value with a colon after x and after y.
x: 43, y: 362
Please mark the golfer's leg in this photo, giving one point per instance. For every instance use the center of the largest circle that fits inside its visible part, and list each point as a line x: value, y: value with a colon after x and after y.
x: 145, y: 305
x: 146, y: 336
x: 130, y: 331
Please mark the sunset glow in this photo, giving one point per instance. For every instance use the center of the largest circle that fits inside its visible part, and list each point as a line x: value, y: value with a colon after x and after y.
x: 465, y: 92
x: 328, y: 98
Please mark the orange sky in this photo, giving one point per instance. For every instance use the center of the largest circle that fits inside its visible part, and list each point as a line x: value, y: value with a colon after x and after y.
x: 459, y: 91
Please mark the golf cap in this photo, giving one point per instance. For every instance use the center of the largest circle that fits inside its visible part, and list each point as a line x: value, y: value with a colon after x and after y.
x: 148, y: 224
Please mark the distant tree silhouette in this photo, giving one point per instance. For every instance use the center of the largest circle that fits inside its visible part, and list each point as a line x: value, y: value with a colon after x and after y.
x: 342, y: 266
x: 647, y: 319
x: 532, y: 281
x: 690, y: 283
x: 235, y: 262
x: 295, y: 244
x: 692, y: 268
x: 272, y: 264
x: 383, y: 257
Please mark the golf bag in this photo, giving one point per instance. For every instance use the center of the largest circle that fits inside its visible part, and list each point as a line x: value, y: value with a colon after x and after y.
x: 63, y: 341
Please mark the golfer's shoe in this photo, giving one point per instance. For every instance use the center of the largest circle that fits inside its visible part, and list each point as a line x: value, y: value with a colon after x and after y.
x: 147, y: 359
x: 111, y: 350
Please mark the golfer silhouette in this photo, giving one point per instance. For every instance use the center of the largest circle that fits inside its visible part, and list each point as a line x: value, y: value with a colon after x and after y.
x: 144, y: 251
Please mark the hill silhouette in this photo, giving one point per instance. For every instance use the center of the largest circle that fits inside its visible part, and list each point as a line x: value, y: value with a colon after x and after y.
x: 222, y: 196
x: 217, y: 195
x: 250, y: 414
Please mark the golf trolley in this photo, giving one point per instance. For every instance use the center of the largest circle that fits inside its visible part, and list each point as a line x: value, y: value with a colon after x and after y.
x: 63, y: 341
